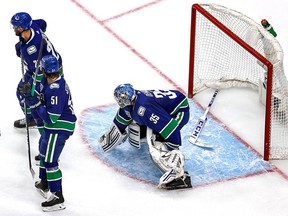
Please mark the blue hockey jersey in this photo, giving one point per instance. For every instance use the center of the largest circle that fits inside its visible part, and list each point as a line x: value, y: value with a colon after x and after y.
x: 56, y: 109
x: 164, y: 111
x: 30, y: 49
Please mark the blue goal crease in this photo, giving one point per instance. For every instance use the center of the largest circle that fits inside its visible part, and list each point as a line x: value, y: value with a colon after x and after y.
x: 228, y: 159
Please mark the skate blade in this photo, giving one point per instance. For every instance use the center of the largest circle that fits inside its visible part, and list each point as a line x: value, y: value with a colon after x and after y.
x: 178, y: 188
x: 30, y: 127
x: 57, y: 207
x: 183, y: 187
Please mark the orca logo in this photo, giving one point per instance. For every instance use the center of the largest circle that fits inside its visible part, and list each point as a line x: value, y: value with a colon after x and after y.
x: 141, y: 111
x: 32, y: 49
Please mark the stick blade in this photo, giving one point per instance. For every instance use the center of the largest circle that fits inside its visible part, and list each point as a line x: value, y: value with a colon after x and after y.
x: 192, y: 139
x: 200, y: 144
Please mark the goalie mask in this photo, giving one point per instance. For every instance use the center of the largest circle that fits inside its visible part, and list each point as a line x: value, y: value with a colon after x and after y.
x: 124, y: 94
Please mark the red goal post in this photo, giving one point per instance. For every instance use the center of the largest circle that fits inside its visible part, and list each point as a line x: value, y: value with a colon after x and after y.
x: 229, y: 49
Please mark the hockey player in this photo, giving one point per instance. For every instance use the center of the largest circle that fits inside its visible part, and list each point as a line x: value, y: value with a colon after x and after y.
x: 31, y: 33
x: 53, y: 103
x: 160, y: 114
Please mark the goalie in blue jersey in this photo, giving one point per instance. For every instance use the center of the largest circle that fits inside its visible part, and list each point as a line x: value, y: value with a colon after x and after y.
x: 52, y: 102
x: 155, y: 117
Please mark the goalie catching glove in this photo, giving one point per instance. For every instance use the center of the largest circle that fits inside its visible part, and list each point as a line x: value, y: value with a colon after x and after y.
x: 112, y: 138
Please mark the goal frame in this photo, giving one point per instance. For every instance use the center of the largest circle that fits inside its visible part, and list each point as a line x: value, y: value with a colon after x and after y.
x: 196, y: 8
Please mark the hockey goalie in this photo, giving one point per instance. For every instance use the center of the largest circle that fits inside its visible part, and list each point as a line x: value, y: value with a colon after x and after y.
x: 154, y: 117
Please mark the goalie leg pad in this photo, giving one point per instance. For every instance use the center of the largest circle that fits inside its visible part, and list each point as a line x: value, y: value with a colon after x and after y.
x: 134, y: 135
x: 112, y: 138
x: 171, y: 163
x: 173, y: 160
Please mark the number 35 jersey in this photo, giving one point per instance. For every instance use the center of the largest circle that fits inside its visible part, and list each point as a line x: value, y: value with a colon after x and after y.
x: 164, y: 111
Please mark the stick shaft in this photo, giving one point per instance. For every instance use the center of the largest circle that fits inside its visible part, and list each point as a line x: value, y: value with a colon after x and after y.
x: 37, y: 66
x: 202, y: 120
x: 27, y: 127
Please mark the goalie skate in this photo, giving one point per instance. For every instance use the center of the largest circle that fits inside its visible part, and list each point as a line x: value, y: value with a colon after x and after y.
x: 180, y: 183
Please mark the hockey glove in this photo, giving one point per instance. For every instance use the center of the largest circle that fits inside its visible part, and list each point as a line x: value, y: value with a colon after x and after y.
x: 24, y: 88
x: 33, y: 101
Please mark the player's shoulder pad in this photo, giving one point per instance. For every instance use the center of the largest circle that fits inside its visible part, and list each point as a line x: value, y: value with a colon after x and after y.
x: 146, y: 93
x: 42, y: 24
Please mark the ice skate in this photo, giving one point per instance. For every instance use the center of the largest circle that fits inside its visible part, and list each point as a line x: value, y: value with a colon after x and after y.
x: 54, y: 203
x: 42, y: 187
x: 180, y: 183
x: 21, y: 123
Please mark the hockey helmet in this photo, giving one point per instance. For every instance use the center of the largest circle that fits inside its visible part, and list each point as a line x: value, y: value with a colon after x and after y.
x: 21, y: 19
x: 124, y: 94
x: 50, y: 64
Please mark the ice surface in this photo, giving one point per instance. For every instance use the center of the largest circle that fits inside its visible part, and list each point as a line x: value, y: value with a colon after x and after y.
x: 146, y: 43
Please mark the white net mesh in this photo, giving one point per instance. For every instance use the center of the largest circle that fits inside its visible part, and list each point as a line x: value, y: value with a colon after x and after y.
x: 220, y: 62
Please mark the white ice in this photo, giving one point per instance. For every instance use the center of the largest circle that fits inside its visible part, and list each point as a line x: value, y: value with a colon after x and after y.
x: 103, y: 44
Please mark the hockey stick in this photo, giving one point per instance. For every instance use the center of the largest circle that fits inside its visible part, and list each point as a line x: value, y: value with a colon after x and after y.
x: 200, y: 124
x: 27, y: 127
x: 37, y: 66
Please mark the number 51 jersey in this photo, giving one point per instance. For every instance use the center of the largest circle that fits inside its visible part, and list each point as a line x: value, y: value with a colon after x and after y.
x: 58, y: 114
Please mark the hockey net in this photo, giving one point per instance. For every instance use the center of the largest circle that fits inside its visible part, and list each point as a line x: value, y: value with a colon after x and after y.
x: 229, y: 49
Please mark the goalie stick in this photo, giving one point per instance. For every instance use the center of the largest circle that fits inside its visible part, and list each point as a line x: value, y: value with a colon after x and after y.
x: 200, y: 124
